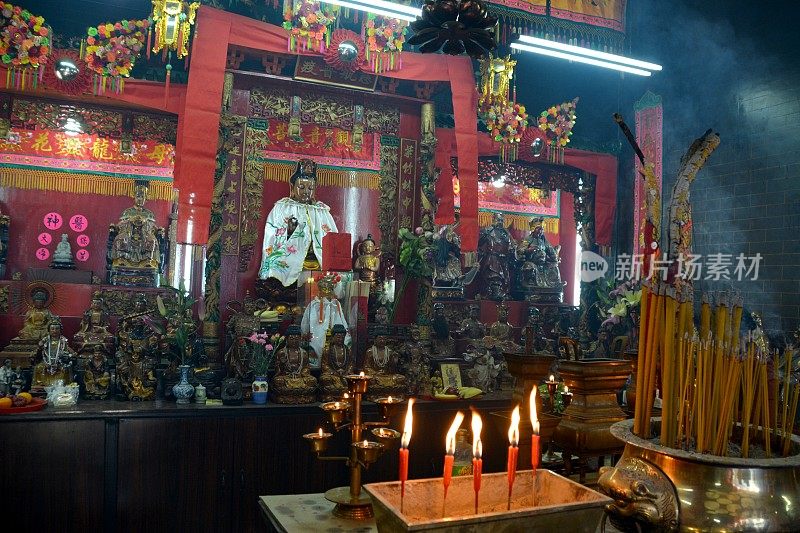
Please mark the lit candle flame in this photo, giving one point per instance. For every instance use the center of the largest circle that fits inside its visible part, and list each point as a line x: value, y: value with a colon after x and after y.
x: 335, y: 405
x: 346, y: 396
x: 366, y: 443
x: 534, y: 417
x: 450, y: 441
x: 513, y: 429
x: 320, y: 432
x: 389, y: 399
x: 406, y: 438
x: 566, y: 389
x: 552, y: 378
x: 361, y: 374
x: 477, y: 426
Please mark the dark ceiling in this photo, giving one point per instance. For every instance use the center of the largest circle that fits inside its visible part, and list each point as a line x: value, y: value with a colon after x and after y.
x: 72, y: 17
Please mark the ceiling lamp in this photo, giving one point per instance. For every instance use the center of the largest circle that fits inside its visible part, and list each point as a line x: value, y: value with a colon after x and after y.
x: 588, y: 56
x: 380, y: 7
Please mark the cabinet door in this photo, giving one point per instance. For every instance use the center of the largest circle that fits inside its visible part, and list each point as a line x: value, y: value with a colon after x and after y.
x: 53, y: 475
x: 174, y: 474
x: 272, y: 457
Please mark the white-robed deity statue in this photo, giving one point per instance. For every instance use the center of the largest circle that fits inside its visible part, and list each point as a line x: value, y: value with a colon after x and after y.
x: 295, y: 228
x: 321, y: 314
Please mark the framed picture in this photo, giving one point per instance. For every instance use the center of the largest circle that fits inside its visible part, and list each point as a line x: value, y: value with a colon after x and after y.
x: 451, y: 374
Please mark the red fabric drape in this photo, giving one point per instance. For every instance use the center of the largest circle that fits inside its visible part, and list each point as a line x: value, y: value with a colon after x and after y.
x: 203, y: 98
x: 604, y: 166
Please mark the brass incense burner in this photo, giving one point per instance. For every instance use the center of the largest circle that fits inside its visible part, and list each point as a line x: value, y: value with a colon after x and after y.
x: 656, y: 488
x: 346, y: 414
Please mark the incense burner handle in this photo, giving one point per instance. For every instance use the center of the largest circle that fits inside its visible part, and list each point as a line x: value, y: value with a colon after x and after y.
x: 644, y: 497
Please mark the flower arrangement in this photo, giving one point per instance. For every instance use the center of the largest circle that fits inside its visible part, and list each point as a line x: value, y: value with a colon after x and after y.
x: 265, y: 347
x: 308, y: 25
x: 25, y: 38
x: 624, y: 301
x: 112, y: 49
x: 506, y: 122
x: 557, y: 121
x: 416, y: 258
x: 178, y: 326
x: 385, y: 37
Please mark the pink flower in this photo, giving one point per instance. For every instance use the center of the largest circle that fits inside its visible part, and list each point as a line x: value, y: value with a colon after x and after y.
x: 291, y: 249
x: 280, y: 231
x: 268, y: 347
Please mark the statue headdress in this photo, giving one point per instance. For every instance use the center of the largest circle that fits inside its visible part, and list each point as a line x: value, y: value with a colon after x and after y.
x: 305, y: 168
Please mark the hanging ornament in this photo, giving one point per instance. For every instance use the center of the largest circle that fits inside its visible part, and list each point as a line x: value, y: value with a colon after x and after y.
x: 24, y: 46
x: 455, y: 27
x: 309, y: 25
x: 346, y: 52
x: 385, y: 37
x: 171, y: 24
x: 506, y: 120
x: 556, y: 124
x: 110, y: 51
x: 68, y: 73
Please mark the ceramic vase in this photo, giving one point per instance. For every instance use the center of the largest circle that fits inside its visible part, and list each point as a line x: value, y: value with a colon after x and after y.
x: 260, y: 389
x: 183, y: 390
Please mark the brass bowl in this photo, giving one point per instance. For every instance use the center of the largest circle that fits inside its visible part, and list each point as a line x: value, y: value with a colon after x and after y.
x: 390, y: 438
x: 669, y: 489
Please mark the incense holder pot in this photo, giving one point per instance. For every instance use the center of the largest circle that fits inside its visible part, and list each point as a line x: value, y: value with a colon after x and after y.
x: 656, y: 488
x: 554, y: 502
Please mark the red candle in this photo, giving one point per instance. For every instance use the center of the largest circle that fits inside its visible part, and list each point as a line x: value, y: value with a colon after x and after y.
x: 535, y: 435
x: 513, y: 451
x: 405, y: 440
x: 477, y: 452
x: 450, y: 450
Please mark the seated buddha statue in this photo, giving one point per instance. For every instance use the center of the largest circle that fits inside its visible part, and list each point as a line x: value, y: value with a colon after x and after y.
x: 502, y: 332
x: 34, y: 328
x: 136, y: 245
x: 135, y: 377
x: 37, y: 318
x: 134, y: 331
x: 96, y: 377
x: 381, y: 363
x: 337, y: 362
x: 538, y: 273
x: 368, y: 262
x: 53, y: 361
x: 94, y: 329
x: 294, y: 229
x: 293, y: 382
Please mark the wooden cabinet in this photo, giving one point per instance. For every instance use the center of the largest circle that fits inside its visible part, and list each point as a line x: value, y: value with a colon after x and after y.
x: 173, y: 474
x: 162, y: 468
x: 53, y: 475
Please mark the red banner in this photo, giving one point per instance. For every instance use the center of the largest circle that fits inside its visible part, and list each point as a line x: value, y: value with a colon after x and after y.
x: 327, y: 146
x: 86, y: 153
x: 649, y: 123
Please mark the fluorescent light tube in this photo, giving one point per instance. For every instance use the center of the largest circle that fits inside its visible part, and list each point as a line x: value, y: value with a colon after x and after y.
x: 381, y: 7
x: 527, y: 39
x: 580, y: 59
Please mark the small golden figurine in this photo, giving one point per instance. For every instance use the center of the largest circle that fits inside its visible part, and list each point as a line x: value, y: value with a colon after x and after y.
x: 381, y: 363
x: 368, y: 262
x: 293, y: 382
x: 96, y: 377
x: 135, y: 376
x: 502, y: 332
x: 37, y: 318
x: 94, y: 328
x: 55, y: 359
x: 336, y: 364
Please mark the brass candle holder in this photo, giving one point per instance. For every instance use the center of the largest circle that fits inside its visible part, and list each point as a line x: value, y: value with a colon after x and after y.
x: 346, y: 414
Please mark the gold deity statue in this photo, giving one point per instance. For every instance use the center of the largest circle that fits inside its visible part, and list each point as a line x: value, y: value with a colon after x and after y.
x: 381, y: 363
x: 293, y: 382
x: 96, y: 377
x: 39, y: 296
x: 368, y: 262
x: 136, y: 255
x: 337, y: 363
x: 94, y: 328
x: 53, y: 360
x: 502, y: 332
x: 135, y: 376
